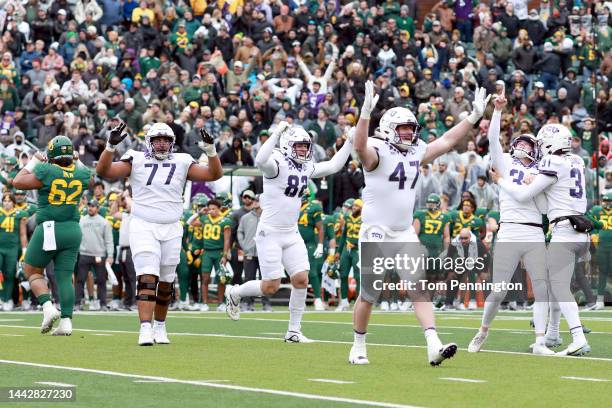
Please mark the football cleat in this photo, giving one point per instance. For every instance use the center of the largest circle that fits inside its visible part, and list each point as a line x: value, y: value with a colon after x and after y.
x: 586, y: 330
x: 50, y: 316
x: 203, y: 307
x: 472, y: 305
x: 588, y: 307
x: 552, y: 342
x: 267, y: 307
x: 576, y: 349
x: 232, y: 303
x: 438, y: 352
x: 384, y: 306
x: 477, y: 342
x: 461, y: 306
x: 8, y: 306
x: 64, y: 328
x: 145, y: 337
x: 358, y: 355
x: 394, y: 307
x: 318, y: 305
x: 542, y: 350
x: 599, y: 306
x: 221, y: 307
x: 296, y: 337
x: 343, y: 306
x: 160, y: 336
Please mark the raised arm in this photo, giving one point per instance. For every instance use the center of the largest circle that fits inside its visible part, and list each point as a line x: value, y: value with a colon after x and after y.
x: 495, y: 147
x: 305, y: 70
x: 336, y: 163
x: 25, y: 179
x: 106, y: 167
x: 449, y: 139
x: 330, y: 70
x: 367, y: 154
x: 263, y: 161
x: 213, y: 171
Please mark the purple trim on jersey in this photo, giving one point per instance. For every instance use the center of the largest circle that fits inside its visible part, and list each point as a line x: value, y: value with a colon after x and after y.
x: 277, y: 171
x: 517, y: 161
x: 550, y: 173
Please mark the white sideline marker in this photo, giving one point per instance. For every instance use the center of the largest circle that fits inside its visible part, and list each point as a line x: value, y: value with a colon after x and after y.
x: 586, y: 379
x: 327, y: 380
x: 215, y: 385
x: 101, y: 334
x: 12, y: 335
x: 55, y: 384
x: 468, y: 380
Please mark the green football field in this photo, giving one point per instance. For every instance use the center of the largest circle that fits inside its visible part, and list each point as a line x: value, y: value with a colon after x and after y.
x: 213, y: 361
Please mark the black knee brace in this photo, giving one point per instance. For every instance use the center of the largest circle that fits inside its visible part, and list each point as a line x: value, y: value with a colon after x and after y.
x: 165, y: 293
x: 146, y: 287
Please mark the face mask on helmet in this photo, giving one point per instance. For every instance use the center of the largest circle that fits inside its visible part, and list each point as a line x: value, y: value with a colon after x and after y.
x: 301, y: 151
x: 161, y: 146
x: 433, y: 205
x: 399, y: 126
x: 524, y: 147
x: 297, y: 145
x: 607, y: 204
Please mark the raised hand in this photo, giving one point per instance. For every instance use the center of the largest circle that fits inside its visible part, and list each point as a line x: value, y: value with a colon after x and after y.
x: 281, y: 128
x: 500, y: 102
x: 479, y: 105
x: 116, y: 135
x: 208, y: 143
x: 370, y: 101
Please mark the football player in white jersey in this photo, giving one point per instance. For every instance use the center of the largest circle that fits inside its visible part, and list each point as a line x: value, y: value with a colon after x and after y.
x: 561, y: 179
x: 286, y: 172
x: 391, y: 161
x: 520, y: 235
x: 157, y: 178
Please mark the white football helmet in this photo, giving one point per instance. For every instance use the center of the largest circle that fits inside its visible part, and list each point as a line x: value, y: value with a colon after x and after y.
x: 554, y: 138
x: 391, y: 120
x: 292, y: 136
x: 159, y: 130
x: 520, y: 153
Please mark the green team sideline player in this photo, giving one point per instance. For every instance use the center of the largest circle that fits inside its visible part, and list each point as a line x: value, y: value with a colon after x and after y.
x: 349, y: 255
x: 433, y: 228
x: 310, y: 225
x: 603, y: 214
x: 12, y: 231
x: 215, y: 244
x: 60, y: 183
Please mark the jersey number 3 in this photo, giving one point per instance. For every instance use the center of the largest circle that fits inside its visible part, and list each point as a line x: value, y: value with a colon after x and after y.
x: 578, y: 191
x: 399, y: 174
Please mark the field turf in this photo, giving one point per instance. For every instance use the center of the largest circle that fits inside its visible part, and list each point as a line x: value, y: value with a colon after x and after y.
x: 213, y: 361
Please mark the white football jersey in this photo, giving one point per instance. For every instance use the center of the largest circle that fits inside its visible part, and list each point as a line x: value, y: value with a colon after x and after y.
x: 281, y: 198
x: 157, y: 185
x: 389, y: 193
x: 510, y: 209
x: 568, y: 195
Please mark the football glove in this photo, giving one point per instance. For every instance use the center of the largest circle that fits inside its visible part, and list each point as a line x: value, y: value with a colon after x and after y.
x: 208, y: 143
x: 369, y: 103
x: 479, y: 105
x: 116, y: 135
x: 318, y: 253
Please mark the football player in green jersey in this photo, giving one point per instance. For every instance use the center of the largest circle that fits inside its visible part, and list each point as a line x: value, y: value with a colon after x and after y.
x: 349, y: 252
x: 22, y: 204
x: 433, y: 228
x: 310, y: 225
x: 603, y: 214
x: 60, y: 183
x: 216, y: 236
x: 466, y: 218
x: 12, y: 235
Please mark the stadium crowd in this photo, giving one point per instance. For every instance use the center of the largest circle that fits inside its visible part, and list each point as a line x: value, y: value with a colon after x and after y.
x: 237, y: 68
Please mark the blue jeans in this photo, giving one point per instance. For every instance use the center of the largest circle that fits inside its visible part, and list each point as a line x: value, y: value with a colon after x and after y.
x: 549, y: 81
x: 465, y: 27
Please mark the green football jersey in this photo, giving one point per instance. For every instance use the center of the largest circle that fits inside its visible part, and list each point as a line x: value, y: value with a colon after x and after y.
x: 310, y: 214
x: 330, y: 223
x: 212, y: 231
x: 431, y: 232
x: 481, y: 213
x: 350, y: 233
x: 9, y: 226
x: 460, y: 221
x: 28, y: 208
x: 58, y: 198
x: 605, y: 218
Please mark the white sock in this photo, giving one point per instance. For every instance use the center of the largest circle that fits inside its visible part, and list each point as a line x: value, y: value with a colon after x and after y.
x: 540, y: 340
x: 431, y: 336
x: 144, y: 325
x: 578, y: 335
x: 540, y: 313
x: 490, y: 311
x: 570, y: 312
x: 250, y: 288
x: 359, y: 339
x: 160, y: 323
x: 552, y: 330
x: 600, y: 298
x: 48, y: 304
x: 297, y: 303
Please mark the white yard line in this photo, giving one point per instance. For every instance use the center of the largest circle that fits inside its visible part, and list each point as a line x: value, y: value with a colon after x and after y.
x: 213, y: 385
x: 459, y: 379
x: 316, y: 341
x: 586, y: 379
x: 55, y: 384
x: 328, y: 380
